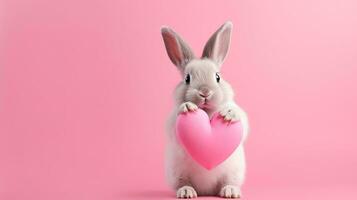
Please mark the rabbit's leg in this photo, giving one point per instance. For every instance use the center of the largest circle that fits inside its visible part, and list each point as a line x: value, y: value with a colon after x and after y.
x: 187, y: 107
x: 178, y: 173
x: 230, y: 186
x: 185, y: 189
x: 230, y: 113
x: 230, y: 191
x: 186, y: 192
x: 232, y: 180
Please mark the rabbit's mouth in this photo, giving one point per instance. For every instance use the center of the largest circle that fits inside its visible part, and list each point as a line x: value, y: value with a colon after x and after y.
x: 205, y: 103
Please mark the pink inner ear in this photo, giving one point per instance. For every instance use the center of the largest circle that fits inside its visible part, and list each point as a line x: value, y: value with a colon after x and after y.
x: 208, y: 142
x: 172, y: 47
x: 217, y: 46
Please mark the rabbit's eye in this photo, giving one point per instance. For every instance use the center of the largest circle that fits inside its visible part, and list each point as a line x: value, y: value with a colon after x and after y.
x: 218, y: 78
x: 187, y: 79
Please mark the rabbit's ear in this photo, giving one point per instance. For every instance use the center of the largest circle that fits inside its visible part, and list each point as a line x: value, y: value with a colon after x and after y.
x: 179, y: 52
x: 217, y: 46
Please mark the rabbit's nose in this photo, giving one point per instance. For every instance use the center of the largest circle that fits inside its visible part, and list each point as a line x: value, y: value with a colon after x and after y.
x: 205, y: 92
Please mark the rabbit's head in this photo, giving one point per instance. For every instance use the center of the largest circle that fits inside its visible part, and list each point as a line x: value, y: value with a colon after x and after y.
x: 201, y: 82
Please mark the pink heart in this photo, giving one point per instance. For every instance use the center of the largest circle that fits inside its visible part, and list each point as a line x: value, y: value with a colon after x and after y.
x: 209, y: 142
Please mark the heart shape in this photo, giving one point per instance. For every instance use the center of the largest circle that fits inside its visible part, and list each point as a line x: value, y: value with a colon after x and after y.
x: 209, y: 142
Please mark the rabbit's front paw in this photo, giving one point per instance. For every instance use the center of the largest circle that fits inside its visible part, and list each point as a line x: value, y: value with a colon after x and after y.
x: 186, y: 107
x: 230, y: 191
x: 230, y: 114
x: 186, y: 192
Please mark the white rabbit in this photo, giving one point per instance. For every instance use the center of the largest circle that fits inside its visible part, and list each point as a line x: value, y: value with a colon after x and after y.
x: 203, y: 87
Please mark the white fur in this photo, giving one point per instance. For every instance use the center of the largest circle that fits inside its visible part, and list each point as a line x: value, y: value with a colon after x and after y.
x: 180, y: 166
x: 182, y: 172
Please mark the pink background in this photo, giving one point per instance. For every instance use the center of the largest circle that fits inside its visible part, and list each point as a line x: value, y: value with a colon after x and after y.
x: 85, y: 88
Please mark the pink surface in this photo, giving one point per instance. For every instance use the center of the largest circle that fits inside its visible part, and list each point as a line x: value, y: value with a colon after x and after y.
x: 85, y: 87
x: 208, y: 141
